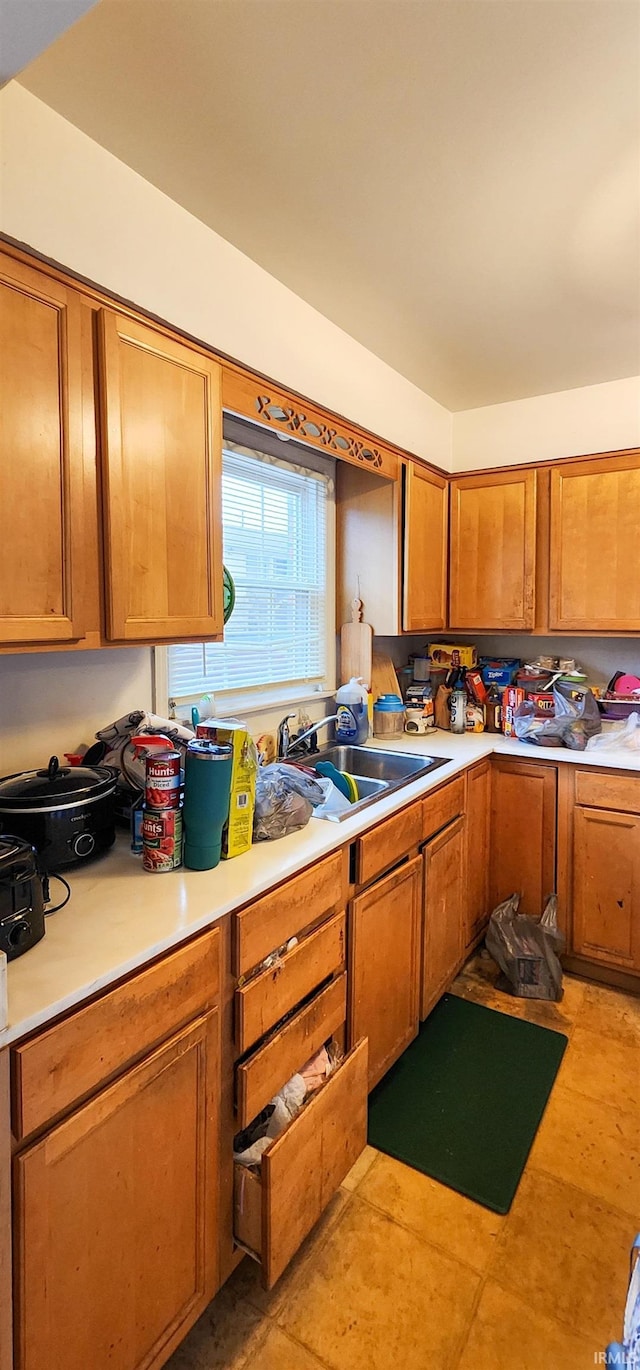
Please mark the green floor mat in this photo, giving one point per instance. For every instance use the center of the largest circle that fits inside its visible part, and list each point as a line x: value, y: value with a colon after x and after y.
x: 464, y: 1101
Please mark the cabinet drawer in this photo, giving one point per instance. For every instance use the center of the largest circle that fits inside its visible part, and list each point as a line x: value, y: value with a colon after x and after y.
x: 387, y: 843
x: 274, y: 1211
x: 264, y: 1000
x: 269, y: 1068
x: 71, y: 1060
x: 621, y: 792
x: 286, y: 911
x: 442, y: 807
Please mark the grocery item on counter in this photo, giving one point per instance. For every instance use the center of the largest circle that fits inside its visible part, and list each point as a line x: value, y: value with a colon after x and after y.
x: 161, y: 839
x: 453, y: 654
x: 494, y: 710
x: 474, y: 717
x: 500, y: 671
x: 238, y: 831
x: 512, y: 698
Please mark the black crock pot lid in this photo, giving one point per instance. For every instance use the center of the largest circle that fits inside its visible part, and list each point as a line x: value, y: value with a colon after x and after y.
x: 56, y: 782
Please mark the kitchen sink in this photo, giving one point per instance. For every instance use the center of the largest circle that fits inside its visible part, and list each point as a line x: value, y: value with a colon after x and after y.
x: 376, y: 772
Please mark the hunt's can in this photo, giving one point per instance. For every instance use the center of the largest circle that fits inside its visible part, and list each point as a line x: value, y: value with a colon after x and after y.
x: 161, y: 839
x: 162, y: 780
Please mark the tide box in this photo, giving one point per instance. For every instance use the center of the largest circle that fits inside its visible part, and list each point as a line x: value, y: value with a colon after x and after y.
x: 500, y: 672
x: 237, y: 834
x: 512, y: 698
x: 453, y: 653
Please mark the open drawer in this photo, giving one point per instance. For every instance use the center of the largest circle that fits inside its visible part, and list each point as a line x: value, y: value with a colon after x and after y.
x: 275, y: 1210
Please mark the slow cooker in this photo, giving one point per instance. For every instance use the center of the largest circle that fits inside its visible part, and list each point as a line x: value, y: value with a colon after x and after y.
x: 65, y: 812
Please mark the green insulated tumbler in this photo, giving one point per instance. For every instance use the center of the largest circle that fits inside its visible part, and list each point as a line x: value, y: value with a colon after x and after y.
x: 207, y: 782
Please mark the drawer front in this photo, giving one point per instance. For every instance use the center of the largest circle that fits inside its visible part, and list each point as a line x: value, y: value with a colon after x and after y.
x: 263, y: 1001
x: 442, y: 807
x: 259, y: 1078
x: 71, y: 1060
x: 303, y: 1168
x: 598, y: 791
x: 287, y: 911
x: 388, y: 843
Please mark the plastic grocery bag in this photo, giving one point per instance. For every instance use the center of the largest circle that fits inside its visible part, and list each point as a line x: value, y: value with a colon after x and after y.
x: 626, y: 735
x: 285, y: 800
x: 526, y: 950
x: 577, y: 718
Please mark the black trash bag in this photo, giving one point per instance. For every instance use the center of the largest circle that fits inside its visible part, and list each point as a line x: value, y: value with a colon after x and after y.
x: 576, y: 719
x: 526, y: 950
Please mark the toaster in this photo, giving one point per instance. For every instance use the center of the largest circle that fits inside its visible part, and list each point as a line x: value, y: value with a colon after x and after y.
x: 21, y: 897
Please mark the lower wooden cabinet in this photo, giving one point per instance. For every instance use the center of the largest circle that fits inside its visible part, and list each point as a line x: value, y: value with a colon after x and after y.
x: 478, y: 810
x: 444, y: 912
x: 384, y: 966
x: 115, y: 1228
x: 523, y: 832
x: 606, y: 886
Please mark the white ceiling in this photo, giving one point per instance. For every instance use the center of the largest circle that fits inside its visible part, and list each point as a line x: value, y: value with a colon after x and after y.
x: 27, y: 27
x: 454, y: 182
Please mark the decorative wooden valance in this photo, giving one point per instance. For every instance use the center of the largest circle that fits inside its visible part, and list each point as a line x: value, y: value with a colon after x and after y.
x: 254, y: 398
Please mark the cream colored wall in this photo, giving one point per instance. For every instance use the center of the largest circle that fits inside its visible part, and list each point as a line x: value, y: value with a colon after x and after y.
x: 67, y: 197
x: 52, y: 702
x: 595, y: 418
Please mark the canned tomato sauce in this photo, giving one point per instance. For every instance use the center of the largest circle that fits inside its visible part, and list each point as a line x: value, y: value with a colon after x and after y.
x: 161, y: 839
x: 162, y: 781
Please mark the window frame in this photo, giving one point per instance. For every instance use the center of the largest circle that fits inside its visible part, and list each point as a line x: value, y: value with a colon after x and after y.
x: 259, y: 698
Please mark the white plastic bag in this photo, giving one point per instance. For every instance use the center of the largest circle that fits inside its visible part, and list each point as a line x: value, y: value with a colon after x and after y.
x: 627, y: 736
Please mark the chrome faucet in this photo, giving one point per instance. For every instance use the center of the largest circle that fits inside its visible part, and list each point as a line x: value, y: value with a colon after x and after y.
x: 285, y: 743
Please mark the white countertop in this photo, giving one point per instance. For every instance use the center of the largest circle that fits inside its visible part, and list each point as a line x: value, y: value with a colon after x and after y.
x: 119, y: 917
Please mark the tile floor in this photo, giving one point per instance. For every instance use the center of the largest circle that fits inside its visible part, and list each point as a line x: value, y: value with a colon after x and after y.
x: 402, y: 1272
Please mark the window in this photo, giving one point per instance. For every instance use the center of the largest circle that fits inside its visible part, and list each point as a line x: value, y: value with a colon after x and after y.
x: 278, y: 539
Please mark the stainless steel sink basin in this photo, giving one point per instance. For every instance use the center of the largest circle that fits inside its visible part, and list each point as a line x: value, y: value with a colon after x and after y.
x: 376, y: 772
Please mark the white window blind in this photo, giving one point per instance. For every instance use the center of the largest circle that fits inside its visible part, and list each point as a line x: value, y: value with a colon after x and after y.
x: 275, y: 540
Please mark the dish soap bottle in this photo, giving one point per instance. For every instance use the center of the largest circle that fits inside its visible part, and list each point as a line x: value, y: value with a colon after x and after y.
x: 352, y: 724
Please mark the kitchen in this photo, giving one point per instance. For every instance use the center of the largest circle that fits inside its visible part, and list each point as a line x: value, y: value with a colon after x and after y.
x: 155, y: 967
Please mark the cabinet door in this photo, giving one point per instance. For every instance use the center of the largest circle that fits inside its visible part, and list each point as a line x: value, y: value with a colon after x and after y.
x: 116, y: 1216
x: 444, y: 912
x: 478, y: 848
x: 595, y: 549
x: 385, y: 966
x: 41, y: 458
x: 426, y: 513
x: 493, y: 550
x: 606, y: 886
x: 161, y: 451
x: 523, y: 833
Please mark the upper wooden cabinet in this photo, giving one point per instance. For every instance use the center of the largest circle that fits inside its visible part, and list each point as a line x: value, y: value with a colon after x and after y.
x: 161, y: 454
x: 493, y: 550
x: 426, y: 515
x: 595, y: 548
x: 41, y: 458
x: 391, y: 540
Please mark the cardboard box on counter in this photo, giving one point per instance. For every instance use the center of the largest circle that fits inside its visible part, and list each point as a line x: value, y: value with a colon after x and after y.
x: 453, y: 653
